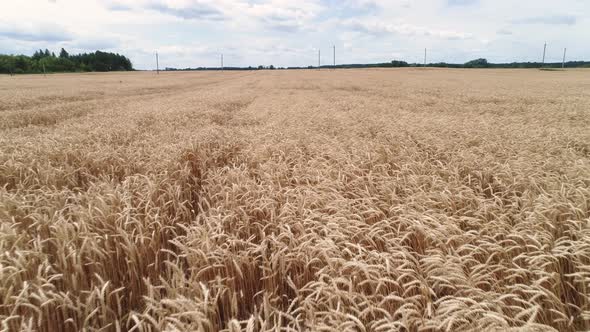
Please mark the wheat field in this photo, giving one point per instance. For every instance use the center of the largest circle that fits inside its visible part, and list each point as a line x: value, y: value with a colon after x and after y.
x: 348, y: 200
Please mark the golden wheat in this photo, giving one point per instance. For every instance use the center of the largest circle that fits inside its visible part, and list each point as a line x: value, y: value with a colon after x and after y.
x: 354, y: 200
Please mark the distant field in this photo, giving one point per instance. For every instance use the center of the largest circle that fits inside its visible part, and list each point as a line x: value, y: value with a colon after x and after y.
x: 348, y: 200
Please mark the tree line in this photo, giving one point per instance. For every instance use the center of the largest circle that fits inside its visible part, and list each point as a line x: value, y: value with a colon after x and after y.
x: 44, y: 61
x: 477, y: 63
x: 483, y: 63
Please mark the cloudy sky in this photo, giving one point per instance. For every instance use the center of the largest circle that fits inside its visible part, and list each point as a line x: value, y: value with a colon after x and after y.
x: 289, y: 33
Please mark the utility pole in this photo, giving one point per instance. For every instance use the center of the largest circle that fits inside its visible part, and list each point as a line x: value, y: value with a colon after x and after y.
x: 563, y: 62
x: 424, y: 58
x: 544, y: 51
x: 319, y: 59
x: 334, y: 56
x: 221, y: 61
x: 157, y: 65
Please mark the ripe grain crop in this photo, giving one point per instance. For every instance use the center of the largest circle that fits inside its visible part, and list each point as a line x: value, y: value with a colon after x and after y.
x: 353, y: 200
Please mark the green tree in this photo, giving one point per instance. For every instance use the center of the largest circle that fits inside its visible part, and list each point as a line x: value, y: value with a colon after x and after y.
x: 477, y: 63
x: 43, y: 60
x: 398, y: 63
x: 38, y: 55
x: 7, y: 64
x: 64, y: 54
x: 22, y: 64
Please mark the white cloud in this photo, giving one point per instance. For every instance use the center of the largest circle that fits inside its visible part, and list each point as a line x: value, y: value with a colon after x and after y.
x: 549, y: 19
x: 380, y: 28
x: 283, y: 32
x: 462, y: 2
x: 32, y: 32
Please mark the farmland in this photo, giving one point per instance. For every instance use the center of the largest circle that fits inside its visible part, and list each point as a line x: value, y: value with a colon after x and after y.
x: 347, y: 200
